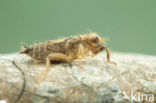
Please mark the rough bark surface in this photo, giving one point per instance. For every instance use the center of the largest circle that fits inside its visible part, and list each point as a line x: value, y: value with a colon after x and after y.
x: 89, y: 80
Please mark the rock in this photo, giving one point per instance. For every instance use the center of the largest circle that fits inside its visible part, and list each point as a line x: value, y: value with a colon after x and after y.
x: 89, y: 80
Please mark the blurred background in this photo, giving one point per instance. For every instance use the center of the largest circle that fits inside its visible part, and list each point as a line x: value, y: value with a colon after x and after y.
x: 129, y: 24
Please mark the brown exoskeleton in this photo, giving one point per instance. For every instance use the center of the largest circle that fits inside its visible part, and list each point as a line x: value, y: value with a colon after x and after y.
x: 67, y: 49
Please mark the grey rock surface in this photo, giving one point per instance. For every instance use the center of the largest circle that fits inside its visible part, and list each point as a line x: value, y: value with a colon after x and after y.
x: 89, y: 80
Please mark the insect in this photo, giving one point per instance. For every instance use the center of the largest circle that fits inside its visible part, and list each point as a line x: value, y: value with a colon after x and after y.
x: 67, y: 49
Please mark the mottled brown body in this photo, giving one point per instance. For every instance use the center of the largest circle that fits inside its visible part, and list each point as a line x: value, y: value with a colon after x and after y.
x: 68, y: 49
x: 42, y: 50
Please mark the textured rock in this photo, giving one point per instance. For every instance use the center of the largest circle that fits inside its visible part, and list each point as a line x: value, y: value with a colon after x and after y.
x: 89, y: 80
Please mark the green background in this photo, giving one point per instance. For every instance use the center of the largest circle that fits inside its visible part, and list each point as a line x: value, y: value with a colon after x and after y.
x: 129, y: 24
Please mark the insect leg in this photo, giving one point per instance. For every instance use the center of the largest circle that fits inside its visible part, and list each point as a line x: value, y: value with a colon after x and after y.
x: 108, y: 55
x: 100, y: 48
x: 43, y: 76
x: 59, y: 57
x: 53, y: 57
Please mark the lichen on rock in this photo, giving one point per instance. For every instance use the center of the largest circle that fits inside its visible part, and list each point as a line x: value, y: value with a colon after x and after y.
x: 89, y: 80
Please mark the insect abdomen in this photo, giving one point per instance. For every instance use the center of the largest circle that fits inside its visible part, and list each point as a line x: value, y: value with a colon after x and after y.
x: 37, y: 52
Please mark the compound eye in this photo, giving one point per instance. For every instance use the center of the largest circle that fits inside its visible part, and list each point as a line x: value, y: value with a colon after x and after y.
x: 95, y: 40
